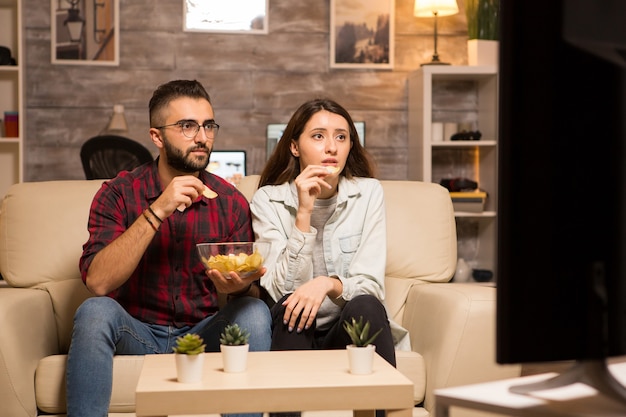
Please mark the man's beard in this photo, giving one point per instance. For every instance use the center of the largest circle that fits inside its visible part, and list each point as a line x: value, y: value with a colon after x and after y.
x: 185, y: 162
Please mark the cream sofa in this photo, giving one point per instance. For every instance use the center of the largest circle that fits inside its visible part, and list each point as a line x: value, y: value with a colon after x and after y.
x: 43, y: 227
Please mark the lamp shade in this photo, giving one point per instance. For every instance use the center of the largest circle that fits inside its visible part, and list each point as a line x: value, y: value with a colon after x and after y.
x: 428, y: 8
x: 118, y: 120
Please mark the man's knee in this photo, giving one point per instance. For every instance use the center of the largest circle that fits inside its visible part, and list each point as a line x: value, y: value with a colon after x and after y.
x: 95, y: 305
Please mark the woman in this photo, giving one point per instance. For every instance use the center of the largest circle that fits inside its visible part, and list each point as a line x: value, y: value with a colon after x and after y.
x: 322, y: 210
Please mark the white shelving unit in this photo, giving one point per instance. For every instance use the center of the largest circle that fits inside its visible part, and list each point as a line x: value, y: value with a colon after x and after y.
x: 464, y: 95
x: 11, y: 93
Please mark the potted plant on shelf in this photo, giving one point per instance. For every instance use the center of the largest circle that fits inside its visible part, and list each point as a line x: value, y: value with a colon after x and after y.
x: 234, y: 347
x: 361, y: 351
x: 483, y: 30
x: 189, y: 351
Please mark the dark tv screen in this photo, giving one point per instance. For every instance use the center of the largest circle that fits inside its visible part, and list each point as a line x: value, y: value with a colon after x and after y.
x: 561, y: 285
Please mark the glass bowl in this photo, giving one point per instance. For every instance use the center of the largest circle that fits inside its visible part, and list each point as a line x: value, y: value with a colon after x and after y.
x: 244, y: 258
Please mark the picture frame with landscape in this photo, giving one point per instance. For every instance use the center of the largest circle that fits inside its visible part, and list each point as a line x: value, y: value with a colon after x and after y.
x: 362, y: 34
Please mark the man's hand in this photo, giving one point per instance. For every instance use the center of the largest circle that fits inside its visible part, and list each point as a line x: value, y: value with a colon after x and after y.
x: 181, y: 191
x: 234, y: 283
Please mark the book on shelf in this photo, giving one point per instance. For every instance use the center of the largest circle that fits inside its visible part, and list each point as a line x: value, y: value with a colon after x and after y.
x: 472, y: 201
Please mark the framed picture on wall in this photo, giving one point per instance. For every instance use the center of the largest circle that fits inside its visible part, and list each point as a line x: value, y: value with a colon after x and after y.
x: 85, y: 32
x: 231, y: 16
x: 362, y: 33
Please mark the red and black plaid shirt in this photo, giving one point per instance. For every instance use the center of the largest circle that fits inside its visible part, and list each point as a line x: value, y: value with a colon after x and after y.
x: 169, y: 285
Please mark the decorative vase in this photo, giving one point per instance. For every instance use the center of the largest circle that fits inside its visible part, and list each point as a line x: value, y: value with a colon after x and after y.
x: 189, y: 367
x: 235, y: 358
x: 482, y: 52
x: 463, y: 271
x: 361, y: 359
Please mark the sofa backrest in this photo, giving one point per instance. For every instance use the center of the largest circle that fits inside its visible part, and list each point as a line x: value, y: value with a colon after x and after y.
x: 421, y: 239
x: 43, y: 226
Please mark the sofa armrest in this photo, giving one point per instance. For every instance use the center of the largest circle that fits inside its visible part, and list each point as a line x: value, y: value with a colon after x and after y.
x: 28, y: 334
x: 453, y: 327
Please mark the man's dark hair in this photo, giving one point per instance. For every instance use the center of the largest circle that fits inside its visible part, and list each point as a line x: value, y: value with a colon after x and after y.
x: 171, y: 91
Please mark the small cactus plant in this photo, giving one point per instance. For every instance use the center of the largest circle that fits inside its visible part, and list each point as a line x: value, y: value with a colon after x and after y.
x: 233, y: 335
x: 189, y: 344
x: 359, y: 332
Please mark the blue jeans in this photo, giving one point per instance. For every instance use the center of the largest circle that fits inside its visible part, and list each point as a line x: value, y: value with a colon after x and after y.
x: 102, y: 328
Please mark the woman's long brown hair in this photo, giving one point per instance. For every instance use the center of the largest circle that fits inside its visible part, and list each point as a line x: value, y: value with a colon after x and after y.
x: 282, y: 166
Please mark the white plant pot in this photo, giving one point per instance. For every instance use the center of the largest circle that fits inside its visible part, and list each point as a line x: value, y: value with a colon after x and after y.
x: 361, y: 359
x: 482, y: 52
x: 235, y: 358
x: 189, y: 367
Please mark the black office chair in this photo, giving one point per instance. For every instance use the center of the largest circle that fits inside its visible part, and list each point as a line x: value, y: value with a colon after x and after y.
x: 105, y: 156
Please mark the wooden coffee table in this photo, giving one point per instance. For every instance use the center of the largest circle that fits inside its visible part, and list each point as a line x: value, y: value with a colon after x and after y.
x: 274, y: 381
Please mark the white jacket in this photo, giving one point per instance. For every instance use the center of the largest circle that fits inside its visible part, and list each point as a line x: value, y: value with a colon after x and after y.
x: 355, y: 243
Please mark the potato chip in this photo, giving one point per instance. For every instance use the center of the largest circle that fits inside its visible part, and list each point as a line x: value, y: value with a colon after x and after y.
x: 332, y: 169
x: 208, y: 193
x: 241, y: 263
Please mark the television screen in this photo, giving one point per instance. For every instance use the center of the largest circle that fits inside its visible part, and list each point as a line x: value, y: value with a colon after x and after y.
x: 230, y: 165
x: 561, y: 287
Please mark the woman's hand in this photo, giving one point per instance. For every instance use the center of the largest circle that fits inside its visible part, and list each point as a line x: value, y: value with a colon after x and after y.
x: 310, y: 183
x: 305, y: 302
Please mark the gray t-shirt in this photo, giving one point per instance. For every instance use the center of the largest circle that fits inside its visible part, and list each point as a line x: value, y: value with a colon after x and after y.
x: 322, y: 211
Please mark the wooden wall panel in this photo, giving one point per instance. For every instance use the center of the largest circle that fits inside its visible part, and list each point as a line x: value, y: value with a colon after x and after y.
x: 253, y: 80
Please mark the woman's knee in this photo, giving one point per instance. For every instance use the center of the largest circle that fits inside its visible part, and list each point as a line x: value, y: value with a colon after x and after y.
x: 364, y: 305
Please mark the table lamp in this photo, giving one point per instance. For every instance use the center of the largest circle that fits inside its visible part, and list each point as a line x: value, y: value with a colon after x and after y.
x: 117, y: 124
x: 428, y: 8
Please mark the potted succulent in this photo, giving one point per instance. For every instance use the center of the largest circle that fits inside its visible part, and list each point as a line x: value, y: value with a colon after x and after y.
x: 189, y: 351
x: 361, y: 351
x: 483, y: 30
x: 234, y: 347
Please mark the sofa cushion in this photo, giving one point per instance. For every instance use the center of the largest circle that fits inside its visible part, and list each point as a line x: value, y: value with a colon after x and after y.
x: 50, y: 383
x: 425, y: 250
x: 43, y: 227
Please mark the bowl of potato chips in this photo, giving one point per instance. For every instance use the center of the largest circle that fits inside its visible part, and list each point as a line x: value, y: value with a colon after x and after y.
x: 244, y: 258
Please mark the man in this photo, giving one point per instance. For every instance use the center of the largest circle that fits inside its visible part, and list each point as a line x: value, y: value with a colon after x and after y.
x: 141, y: 261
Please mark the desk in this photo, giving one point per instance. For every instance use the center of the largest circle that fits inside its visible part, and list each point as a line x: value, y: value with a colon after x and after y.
x: 576, y: 400
x: 274, y: 381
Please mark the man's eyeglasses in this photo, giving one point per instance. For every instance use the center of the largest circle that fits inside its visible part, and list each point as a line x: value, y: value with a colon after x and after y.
x: 191, y: 128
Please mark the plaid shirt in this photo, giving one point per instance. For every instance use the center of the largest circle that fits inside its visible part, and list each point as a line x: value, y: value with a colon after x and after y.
x: 169, y: 285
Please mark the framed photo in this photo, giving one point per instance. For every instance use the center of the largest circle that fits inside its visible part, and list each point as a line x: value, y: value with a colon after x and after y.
x: 275, y: 132
x: 231, y: 16
x: 85, y: 32
x: 362, y: 33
